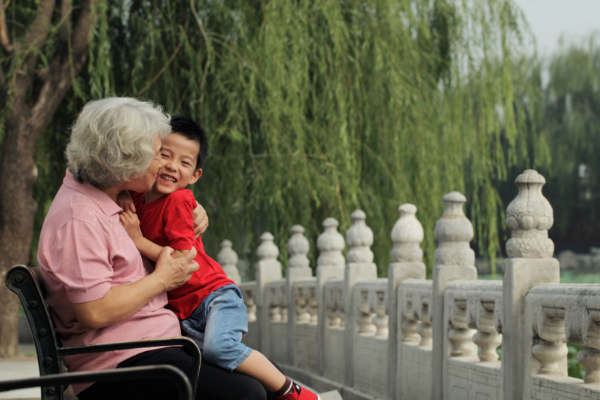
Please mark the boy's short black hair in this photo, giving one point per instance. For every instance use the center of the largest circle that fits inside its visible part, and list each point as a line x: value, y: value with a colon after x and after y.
x: 192, y: 131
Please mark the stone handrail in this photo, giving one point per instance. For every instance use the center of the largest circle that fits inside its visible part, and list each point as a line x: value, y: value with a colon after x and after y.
x: 304, y: 293
x: 370, y: 296
x: 276, y: 299
x: 560, y: 314
x: 476, y: 306
x: 406, y: 337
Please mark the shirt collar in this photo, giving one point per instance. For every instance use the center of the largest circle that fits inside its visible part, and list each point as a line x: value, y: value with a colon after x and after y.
x: 106, y: 204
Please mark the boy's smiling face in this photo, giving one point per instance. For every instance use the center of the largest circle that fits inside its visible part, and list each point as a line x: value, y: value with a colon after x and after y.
x: 179, y: 157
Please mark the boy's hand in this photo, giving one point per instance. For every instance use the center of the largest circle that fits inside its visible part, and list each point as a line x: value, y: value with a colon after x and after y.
x: 131, y: 223
x: 125, y: 201
x: 200, y: 220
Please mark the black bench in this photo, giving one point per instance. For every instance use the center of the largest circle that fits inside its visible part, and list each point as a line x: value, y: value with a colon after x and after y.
x: 24, y: 282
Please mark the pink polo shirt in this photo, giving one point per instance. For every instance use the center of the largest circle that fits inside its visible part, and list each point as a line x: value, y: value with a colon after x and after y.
x: 84, y: 251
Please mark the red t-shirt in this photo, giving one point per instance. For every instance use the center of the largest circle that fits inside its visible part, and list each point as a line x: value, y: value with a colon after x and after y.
x: 168, y: 221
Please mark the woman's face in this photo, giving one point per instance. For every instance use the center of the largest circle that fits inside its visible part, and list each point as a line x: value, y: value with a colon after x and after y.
x: 144, y: 183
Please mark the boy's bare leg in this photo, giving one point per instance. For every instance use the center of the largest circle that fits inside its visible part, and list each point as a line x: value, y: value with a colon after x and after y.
x: 260, y: 368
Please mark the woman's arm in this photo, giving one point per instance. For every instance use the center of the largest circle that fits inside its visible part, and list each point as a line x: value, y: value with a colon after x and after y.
x: 121, y: 302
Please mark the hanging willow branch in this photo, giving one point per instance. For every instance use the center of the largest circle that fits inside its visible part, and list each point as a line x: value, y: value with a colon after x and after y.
x: 316, y: 108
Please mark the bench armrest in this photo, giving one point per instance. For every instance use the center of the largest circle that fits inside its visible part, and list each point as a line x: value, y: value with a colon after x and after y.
x: 177, y: 341
x: 167, y: 372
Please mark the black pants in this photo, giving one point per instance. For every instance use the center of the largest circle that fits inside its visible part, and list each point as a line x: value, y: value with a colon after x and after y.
x: 213, y: 383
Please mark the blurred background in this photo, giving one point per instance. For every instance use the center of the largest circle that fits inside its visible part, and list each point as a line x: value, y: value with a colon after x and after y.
x: 317, y: 108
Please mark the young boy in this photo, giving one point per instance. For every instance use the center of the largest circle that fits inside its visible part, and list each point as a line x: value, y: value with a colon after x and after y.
x: 209, y: 305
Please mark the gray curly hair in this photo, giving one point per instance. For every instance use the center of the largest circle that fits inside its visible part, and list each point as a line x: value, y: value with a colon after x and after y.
x: 111, y: 141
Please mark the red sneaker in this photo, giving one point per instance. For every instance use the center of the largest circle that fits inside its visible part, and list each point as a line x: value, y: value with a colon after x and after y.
x: 299, y: 393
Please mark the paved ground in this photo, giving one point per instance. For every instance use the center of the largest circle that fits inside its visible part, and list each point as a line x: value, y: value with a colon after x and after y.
x: 25, y: 366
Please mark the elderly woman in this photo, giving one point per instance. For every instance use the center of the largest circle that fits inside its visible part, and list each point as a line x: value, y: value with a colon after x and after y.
x: 98, y: 288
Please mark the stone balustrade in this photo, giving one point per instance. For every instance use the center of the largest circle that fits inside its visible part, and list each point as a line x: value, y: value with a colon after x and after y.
x: 407, y: 337
x: 559, y: 314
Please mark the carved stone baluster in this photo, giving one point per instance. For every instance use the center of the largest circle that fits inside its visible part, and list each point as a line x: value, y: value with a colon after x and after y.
x: 228, y: 259
x: 298, y: 248
x: 453, y: 260
x: 331, y: 244
x: 330, y: 265
x: 274, y: 309
x: 365, y: 324
x: 590, y: 359
x: 487, y: 338
x: 268, y: 269
x: 312, y: 305
x: 460, y: 335
x: 298, y: 268
x: 529, y: 263
x: 359, y: 267
x: 407, y: 236
x: 550, y: 354
x: 409, y: 330
x: 302, y: 315
x: 283, y: 303
x: 250, y: 305
x: 409, y: 326
x: 425, y: 328
x: 489, y: 342
x: 340, y: 307
x: 406, y: 263
x: 551, y: 348
x: 381, y: 318
x: 332, y: 317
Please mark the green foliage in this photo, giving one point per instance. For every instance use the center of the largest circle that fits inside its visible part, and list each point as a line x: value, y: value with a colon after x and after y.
x: 574, y: 368
x: 316, y: 108
x: 572, y: 130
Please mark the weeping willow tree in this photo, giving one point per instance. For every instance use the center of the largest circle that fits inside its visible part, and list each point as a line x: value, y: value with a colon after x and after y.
x: 318, y: 108
x: 314, y: 108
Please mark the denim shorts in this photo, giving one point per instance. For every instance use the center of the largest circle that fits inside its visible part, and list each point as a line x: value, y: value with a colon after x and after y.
x: 217, y: 327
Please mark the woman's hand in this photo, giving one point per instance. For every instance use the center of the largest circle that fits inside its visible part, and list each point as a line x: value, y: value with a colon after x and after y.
x: 131, y: 223
x: 175, y: 271
x: 200, y: 220
x: 121, y: 302
x: 125, y: 201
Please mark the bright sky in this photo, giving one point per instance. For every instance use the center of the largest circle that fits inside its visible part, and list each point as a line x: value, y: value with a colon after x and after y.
x: 549, y: 19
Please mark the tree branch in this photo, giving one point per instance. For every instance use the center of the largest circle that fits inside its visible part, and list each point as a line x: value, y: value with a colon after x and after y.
x: 80, y: 38
x: 63, y: 70
x: 38, y: 31
x: 4, y: 39
x: 163, y: 69
x: 66, y: 9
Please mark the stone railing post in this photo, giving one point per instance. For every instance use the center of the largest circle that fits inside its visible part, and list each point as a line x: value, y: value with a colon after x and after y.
x: 360, y: 266
x: 298, y: 267
x: 529, y: 263
x: 453, y: 260
x: 268, y: 269
x: 406, y: 257
x: 330, y: 265
x: 228, y: 259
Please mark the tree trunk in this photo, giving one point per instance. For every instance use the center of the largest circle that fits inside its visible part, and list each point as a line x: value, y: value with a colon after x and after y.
x: 27, y: 121
x: 17, y: 209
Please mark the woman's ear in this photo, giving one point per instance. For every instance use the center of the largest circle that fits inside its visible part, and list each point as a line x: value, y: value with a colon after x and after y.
x: 196, y: 176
